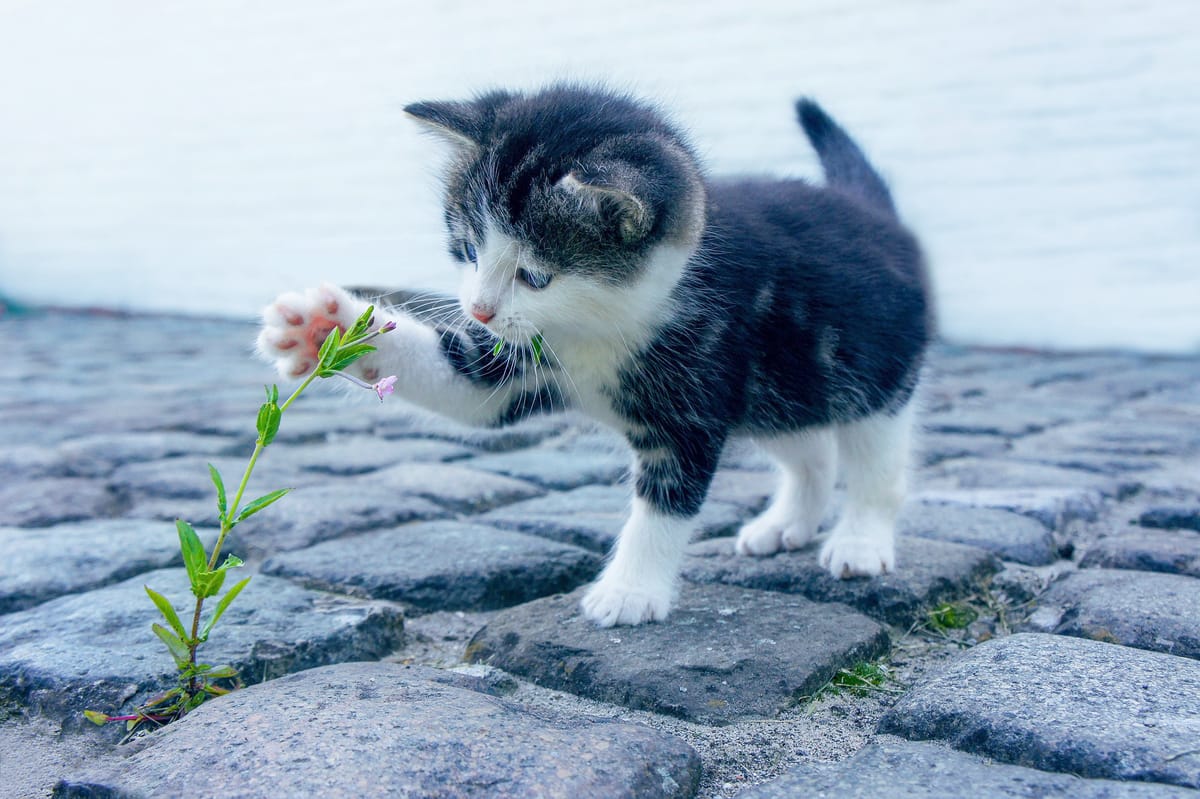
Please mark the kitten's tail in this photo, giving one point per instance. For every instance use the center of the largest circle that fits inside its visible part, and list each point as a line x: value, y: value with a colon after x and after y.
x: 845, y: 165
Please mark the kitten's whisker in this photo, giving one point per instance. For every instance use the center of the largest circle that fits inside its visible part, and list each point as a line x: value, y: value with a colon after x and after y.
x: 563, y: 368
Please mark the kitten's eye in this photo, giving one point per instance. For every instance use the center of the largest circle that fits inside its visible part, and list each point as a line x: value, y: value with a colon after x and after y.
x: 534, y: 280
x: 469, y: 253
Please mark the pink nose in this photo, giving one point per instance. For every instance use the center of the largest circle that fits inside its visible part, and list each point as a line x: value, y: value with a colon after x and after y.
x: 484, y: 313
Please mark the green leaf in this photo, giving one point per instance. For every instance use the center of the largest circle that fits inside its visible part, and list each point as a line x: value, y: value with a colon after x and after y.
x: 209, y: 583
x: 330, y: 345
x: 346, y: 356
x: 168, y: 612
x: 231, y: 562
x: 222, y: 605
x: 221, y: 672
x: 496, y: 350
x: 536, y: 343
x: 260, y: 503
x: 177, y: 647
x: 193, y: 552
x: 99, y: 719
x: 220, y: 484
x: 267, y: 424
x: 359, y: 328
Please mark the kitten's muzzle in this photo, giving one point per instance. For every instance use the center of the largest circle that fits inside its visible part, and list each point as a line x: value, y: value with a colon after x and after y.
x: 484, y: 313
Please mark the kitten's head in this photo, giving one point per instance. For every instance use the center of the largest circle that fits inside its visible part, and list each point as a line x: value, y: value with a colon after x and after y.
x: 572, y: 210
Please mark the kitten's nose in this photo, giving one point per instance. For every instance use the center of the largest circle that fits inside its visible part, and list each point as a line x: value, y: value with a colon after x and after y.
x: 484, y: 313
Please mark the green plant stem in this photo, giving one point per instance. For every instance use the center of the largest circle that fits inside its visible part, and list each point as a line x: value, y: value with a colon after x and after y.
x: 193, y: 642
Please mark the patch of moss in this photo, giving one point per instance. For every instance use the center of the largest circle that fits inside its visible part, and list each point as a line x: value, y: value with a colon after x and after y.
x: 952, y: 616
x: 859, y: 680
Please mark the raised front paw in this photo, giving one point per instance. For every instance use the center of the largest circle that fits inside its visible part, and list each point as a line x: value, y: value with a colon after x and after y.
x: 610, y: 602
x: 295, y: 326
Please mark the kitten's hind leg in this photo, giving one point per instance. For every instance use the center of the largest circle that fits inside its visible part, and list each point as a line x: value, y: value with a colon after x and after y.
x: 808, y: 468
x: 875, y: 456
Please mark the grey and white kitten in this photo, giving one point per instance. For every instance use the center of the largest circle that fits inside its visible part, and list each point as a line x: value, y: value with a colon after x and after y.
x: 677, y: 309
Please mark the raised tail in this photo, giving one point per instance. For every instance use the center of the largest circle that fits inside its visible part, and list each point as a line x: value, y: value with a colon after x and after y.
x: 846, y: 168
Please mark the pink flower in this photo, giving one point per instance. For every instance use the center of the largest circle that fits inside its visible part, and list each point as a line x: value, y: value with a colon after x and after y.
x: 385, y: 386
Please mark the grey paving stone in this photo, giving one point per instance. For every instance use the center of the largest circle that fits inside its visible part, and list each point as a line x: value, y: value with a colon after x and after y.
x: 745, y: 489
x: 718, y: 519
x: 458, y: 488
x: 989, y: 421
x: 1017, y: 584
x: 1008, y: 534
x: 1148, y: 610
x: 592, y: 516
x: 54, y: 500
x: 557, y: 469
x: 96, y: 651
x: 407, y: 735
x: 351, y: 455
x: 1172, y: 517
x: 933, y: 448
x: 408, y: 423
x: 99, y: 454
x: 312, y: 514
x: 1053, y: 507
x: 312, y: 421
x: 907, y: 770
x: 199, y: 512
x: 1173, y: 551
x: 1064, y: 704
x: 41, y: 563
x: 928, y: 572
x: 188, y: 477
x: 588, y: 517
x: 445, y: 565
x: 1130, y: 437
x: 1128, y: 466
x: 724, y: 653
x: 30, y: 461
x: 979, y: 473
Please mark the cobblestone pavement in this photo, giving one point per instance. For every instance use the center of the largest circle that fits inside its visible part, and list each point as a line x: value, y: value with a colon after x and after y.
x: 412, y: 624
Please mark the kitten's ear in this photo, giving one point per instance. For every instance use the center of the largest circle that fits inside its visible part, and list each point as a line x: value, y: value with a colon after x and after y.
x: 463, y: 124
x: 458, y: 123
x: 611, y: 193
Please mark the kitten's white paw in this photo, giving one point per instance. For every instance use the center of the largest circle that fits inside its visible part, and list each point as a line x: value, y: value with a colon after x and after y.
x: 770, y: 532
x: 610, y: 602
x: 295, y: 326
x: 862, y: 553
x: 761, y: 535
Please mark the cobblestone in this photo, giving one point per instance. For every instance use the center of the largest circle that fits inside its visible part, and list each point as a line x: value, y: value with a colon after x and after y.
x: 1147, y: 610
x: 723, y: 654
x: 928, y: 573
x: 441, y: 566
x: 408, y: 735
x: 1054, y: 492
x: 1063, y: 704
x: 90, y: 650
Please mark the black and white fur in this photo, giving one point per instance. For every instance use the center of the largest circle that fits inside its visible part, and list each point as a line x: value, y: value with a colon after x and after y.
x: 677, y: 309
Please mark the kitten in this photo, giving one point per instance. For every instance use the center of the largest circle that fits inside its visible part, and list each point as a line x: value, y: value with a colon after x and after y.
x: 624, y: 283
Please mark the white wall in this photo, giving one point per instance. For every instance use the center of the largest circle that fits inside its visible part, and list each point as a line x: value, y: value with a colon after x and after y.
x: 203, y: 156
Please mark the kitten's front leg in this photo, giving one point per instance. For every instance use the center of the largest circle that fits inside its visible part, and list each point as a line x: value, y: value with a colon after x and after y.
x: 445, y: 371
x: 639, y: 583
